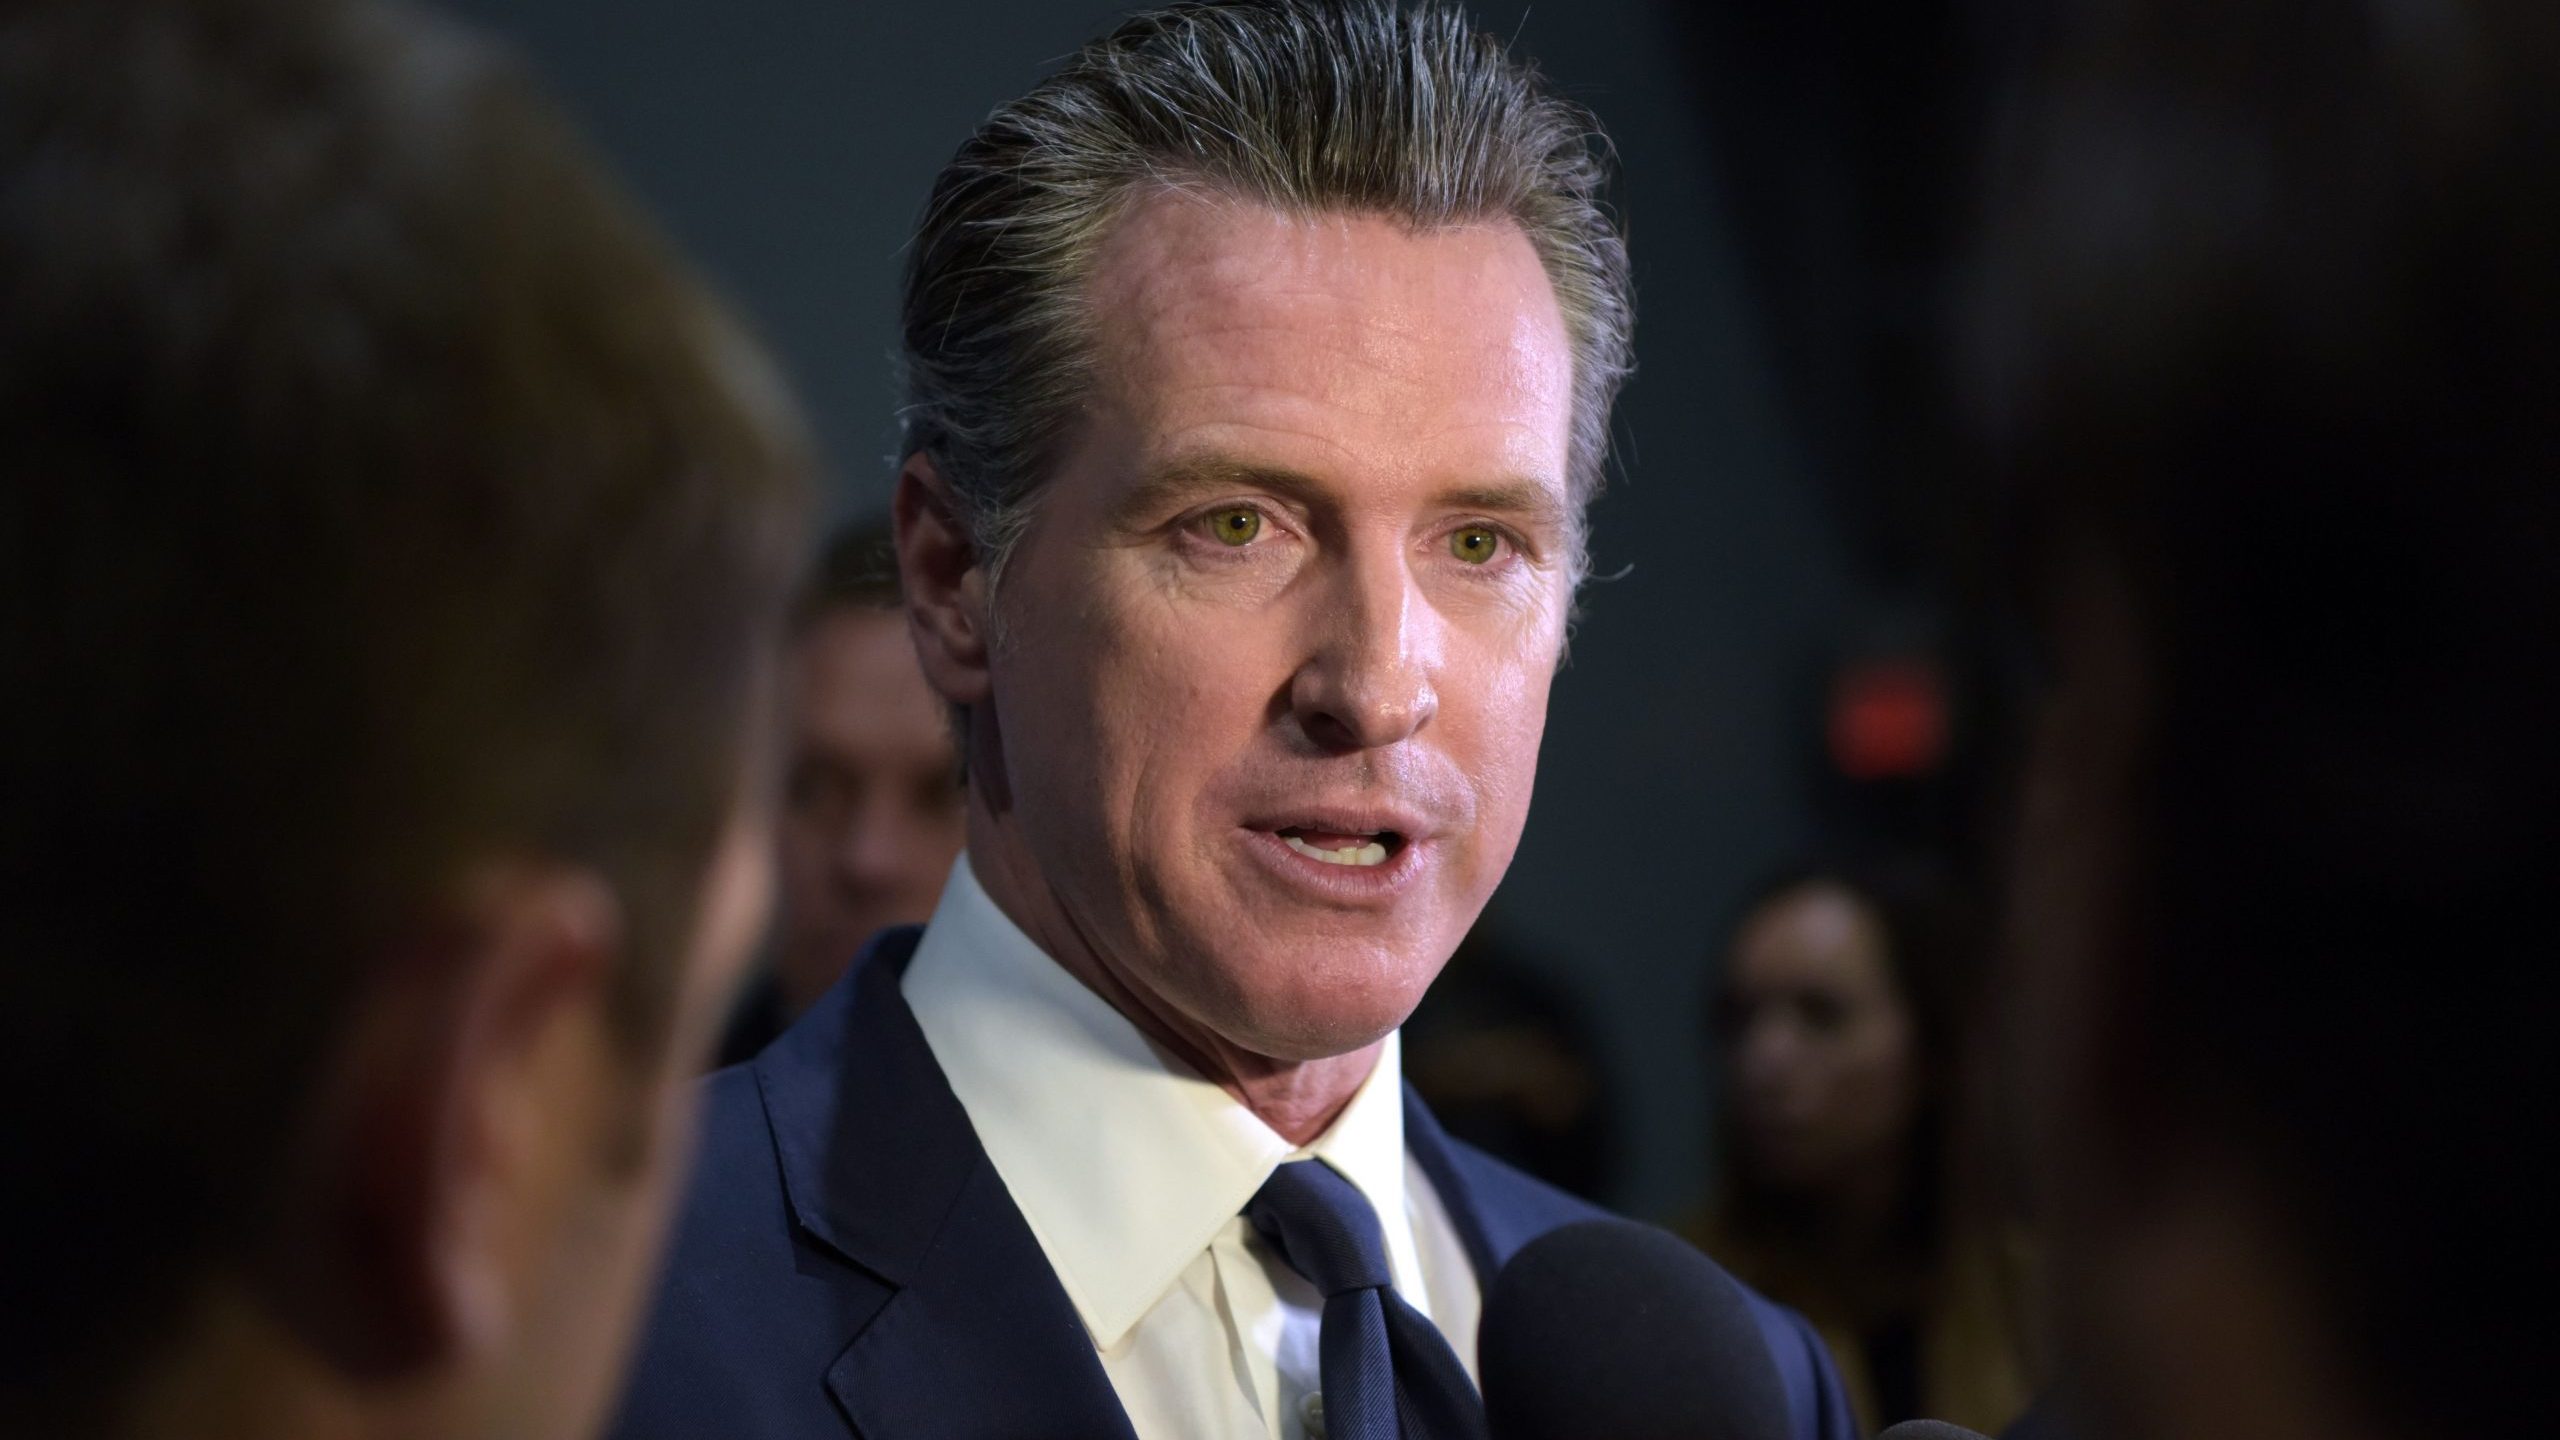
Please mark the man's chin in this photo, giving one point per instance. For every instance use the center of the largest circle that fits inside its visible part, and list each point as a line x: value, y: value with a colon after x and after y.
x: 1309, y: 1042
x: 1303, y: 1022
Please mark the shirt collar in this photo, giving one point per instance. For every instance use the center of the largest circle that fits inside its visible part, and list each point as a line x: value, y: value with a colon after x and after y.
x: 1125, y: 1163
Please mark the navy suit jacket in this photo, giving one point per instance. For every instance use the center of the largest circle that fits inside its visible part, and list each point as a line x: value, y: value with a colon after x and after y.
x: 848, y: 1262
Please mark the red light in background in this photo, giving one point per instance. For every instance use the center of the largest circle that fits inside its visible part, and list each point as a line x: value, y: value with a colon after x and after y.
x: 1889, y: 719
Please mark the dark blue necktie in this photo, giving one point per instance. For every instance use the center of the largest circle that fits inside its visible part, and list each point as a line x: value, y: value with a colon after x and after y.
x: 1386, y: 1371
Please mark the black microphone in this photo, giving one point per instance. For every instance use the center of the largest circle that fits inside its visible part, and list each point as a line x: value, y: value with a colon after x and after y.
x: 1929, y: 1430
x: 1613, y: 1329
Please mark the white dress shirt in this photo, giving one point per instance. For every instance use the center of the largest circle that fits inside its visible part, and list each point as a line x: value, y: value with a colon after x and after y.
x: 1133, y: 1173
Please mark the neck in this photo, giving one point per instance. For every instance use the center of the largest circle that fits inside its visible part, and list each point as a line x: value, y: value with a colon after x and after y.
x: 1298, y: 1099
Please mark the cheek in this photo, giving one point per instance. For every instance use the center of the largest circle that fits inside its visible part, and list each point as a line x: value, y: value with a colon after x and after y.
x: 800, y: 848
x: 1879, y: 1075
x: 1897, y: 1055
x: 1494, y: 719
x: 1126, y: 712
x: 939, y: 832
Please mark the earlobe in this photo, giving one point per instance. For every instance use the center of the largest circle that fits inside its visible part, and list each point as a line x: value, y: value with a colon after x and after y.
x: 945, y: 585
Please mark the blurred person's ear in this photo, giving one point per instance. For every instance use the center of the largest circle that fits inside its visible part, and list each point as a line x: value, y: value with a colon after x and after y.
x: 479, y: 1094
x: 945, y: 585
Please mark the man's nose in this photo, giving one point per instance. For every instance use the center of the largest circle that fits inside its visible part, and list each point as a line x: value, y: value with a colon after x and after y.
x: 1370, y: 680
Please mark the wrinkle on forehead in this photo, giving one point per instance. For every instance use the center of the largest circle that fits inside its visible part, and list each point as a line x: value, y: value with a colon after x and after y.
x: 1340, y: 306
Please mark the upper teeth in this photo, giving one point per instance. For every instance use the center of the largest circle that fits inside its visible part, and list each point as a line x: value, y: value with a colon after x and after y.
x: 1371, y: 853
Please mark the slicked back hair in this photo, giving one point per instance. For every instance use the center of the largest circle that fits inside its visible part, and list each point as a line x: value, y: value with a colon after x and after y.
x: 1359, y: 106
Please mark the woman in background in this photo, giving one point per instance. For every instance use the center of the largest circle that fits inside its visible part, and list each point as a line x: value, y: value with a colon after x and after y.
x: 1843, y: 1189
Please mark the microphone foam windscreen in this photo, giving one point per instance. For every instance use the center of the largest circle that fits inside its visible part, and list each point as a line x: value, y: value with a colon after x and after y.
x: 1609, y: 1328
x: 1929, y: 1430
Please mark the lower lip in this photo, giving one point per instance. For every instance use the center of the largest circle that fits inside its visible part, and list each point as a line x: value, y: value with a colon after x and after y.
x: 1340, y: 884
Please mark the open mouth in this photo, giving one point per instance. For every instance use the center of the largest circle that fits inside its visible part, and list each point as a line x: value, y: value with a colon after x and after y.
x: 1357, y: 849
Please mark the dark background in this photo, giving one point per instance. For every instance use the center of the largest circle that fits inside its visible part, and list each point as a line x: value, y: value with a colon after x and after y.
x: 1774, y: 511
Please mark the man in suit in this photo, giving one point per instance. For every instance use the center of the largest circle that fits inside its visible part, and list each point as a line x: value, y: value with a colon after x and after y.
x: 1259, y: 370
x: 391, y: 548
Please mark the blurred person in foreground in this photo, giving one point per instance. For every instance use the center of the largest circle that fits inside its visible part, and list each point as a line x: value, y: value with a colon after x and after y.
x: 1848, y: 1186
x: 390, y: 538
x: 871, y: 814
x: 2273, y: 364
x: 1259, y: 364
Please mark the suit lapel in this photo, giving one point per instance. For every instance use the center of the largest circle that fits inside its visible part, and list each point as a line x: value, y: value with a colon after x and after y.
x: 880, y: 1164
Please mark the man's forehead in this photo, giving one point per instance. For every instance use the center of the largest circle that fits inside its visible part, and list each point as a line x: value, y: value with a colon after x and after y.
x: 1337, y: 328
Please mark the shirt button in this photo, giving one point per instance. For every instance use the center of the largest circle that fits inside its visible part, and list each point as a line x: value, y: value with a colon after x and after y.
x: 1311, y: 1411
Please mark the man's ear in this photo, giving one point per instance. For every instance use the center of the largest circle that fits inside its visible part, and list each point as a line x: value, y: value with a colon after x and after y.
x: 944, y: 584
x: 470, y: 1086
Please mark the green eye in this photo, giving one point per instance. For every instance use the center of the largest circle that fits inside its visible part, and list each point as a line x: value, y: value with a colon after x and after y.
x: 1238, y: 526
x: 1475, y: 544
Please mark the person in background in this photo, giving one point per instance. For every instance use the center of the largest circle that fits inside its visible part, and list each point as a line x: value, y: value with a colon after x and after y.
x: 1846, y: 1188
x: 871, y: 818
x: 392, y: 549
x: 2270, y: 353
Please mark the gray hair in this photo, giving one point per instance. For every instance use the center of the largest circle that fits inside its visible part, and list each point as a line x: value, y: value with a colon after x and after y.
x: 1301, y: 105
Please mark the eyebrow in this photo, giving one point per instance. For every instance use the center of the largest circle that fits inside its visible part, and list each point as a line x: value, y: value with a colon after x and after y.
x: 1181, y: 481
x: 1171, y: 485
x: 1525, y: 500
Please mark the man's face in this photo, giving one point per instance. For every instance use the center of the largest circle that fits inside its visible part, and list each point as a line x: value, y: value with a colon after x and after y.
x: 1271, y: 664
x: 874, y: 815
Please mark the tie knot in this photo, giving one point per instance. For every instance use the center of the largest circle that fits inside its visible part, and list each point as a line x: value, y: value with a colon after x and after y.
x: 1323, y: 1226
